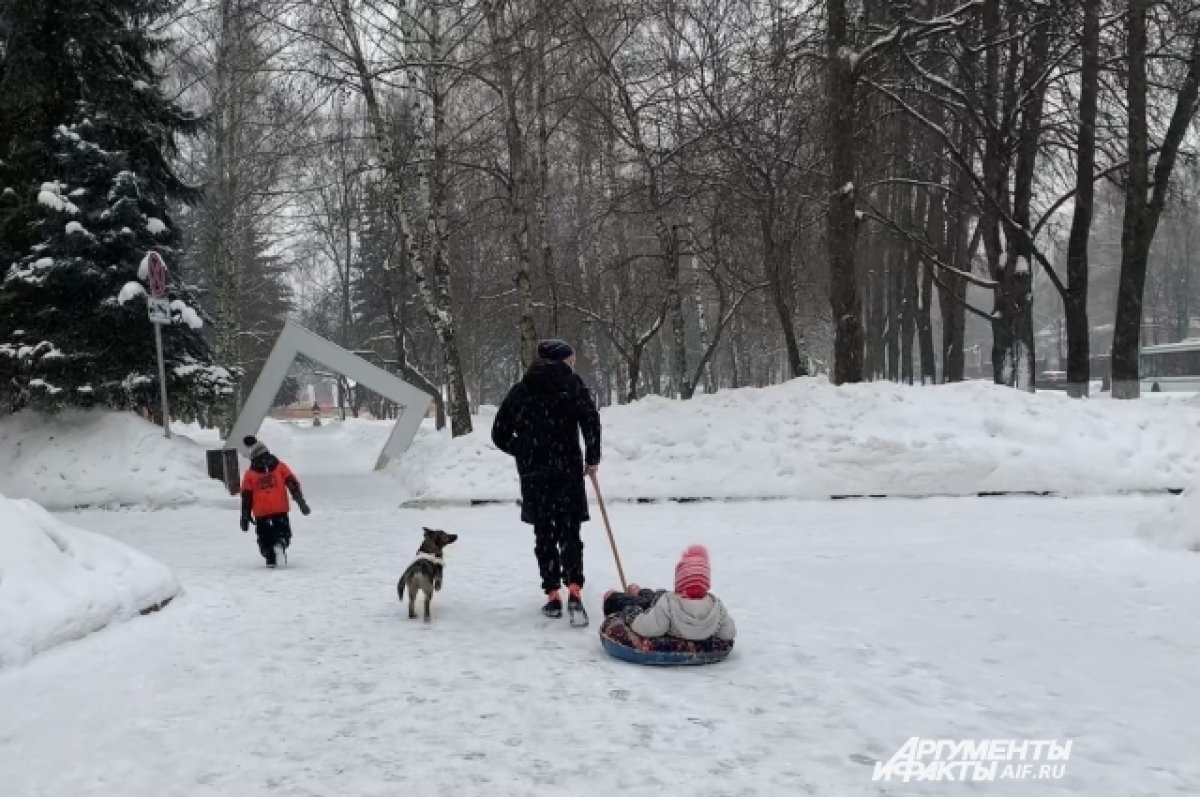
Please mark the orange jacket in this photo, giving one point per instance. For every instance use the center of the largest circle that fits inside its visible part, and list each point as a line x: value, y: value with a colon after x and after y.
x: 265, y: 488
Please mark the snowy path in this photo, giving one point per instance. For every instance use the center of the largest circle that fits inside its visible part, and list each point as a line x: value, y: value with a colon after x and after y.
x: 862, y: 624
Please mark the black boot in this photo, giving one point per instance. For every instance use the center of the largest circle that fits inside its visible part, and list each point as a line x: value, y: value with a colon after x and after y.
x: 575, y: 609
x: 553, y: 607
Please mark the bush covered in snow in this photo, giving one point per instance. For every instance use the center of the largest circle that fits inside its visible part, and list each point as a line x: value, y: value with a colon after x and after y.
x: 59, y: 583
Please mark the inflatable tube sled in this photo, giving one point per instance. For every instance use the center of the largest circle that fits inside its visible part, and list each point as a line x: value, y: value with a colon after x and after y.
x: 621, y: 643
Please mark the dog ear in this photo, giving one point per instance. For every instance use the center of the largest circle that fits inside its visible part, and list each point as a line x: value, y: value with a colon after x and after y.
x: 428, y: 532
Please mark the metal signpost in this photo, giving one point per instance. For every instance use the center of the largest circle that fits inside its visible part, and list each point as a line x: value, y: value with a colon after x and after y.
x: 160, y: 313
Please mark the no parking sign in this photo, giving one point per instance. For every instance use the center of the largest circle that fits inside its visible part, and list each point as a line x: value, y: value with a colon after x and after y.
x: 157, y: 274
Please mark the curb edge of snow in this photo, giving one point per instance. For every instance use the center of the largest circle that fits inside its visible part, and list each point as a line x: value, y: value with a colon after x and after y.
x: 453, y: 503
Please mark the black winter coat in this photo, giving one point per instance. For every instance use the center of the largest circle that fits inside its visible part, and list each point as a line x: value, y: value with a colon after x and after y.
x: 539, y: 425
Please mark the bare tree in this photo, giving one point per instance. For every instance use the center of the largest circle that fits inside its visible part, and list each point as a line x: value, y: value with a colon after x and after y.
x: 1075, y: 299
x: 1145, y: 198
x: 242, y: 158
x: 429, y: 263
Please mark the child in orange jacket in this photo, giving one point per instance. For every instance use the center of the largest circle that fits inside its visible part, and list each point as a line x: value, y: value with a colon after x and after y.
x: 265, y: 489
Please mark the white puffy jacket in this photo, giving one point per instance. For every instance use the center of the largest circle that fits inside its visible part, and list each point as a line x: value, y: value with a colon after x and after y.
x: 690, y: 619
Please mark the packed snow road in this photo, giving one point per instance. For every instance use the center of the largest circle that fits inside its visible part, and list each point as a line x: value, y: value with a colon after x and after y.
x: 861, y: 624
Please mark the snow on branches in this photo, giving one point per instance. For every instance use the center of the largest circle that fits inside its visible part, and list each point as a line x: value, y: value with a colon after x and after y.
x: 906, y: 30
x: 129, y: 292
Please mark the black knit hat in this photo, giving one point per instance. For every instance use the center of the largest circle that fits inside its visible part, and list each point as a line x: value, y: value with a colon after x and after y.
x: 554, y: 350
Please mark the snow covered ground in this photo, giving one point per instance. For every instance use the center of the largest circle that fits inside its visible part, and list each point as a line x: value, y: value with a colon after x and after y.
x: 861, y: 624
x: 59, y: 583
x: 80, y: 458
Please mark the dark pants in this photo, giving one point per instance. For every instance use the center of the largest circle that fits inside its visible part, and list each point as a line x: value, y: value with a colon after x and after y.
x: 622, y: 602
x: 273, y: 530
x: 559, y: 549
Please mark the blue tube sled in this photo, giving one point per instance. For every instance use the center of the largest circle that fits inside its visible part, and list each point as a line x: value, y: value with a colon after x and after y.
x: 622, y: 643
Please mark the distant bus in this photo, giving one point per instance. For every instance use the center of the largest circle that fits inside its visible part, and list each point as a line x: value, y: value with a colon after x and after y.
x: 1172, y: 367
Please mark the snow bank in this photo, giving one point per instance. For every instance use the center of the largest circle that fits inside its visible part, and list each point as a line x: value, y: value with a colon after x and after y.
x: 100, y: 458
x: 59, y: 583
x: 1178, y: 527
x: 809, y: 439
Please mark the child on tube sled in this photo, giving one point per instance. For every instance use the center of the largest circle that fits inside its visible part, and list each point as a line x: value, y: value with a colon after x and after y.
x: 690, y: 613
x: 265, y: 489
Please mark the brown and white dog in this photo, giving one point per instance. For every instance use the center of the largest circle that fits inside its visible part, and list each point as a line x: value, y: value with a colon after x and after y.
x: 425, y: 573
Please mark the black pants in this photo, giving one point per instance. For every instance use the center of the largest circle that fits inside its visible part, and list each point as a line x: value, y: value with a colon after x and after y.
x: 619, y: 602
x: 559, y: 549
x: 273, y: 530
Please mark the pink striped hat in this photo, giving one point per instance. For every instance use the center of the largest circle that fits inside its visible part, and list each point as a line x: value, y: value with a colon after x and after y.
x: 692, y: 575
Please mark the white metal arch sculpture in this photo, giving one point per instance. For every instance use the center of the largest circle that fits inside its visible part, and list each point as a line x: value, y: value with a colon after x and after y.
x: 295, y: 340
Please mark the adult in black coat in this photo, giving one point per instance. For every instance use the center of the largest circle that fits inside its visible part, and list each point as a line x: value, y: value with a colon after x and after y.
x: 539, y: 425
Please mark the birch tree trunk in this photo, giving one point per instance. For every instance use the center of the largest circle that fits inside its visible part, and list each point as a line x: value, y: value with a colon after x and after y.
x: 705, y: 377
x: 220, y: 227
x: 436, y: 188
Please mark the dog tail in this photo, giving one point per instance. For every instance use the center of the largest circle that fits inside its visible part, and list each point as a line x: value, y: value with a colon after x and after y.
x: 400, y: 584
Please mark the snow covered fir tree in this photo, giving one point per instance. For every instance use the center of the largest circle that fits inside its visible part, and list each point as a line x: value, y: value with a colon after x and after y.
x: 85, y: 182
